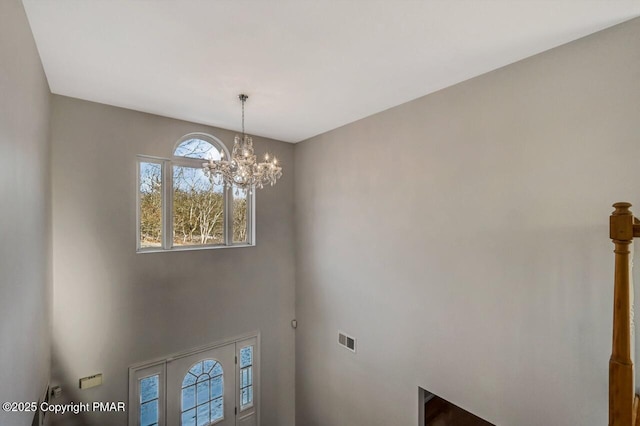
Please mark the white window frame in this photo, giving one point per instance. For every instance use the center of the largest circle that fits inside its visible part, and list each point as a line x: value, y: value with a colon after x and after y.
x: 252, y: 408
x: 138, y: 373
x: 167, y: 201
x: 159, y: 366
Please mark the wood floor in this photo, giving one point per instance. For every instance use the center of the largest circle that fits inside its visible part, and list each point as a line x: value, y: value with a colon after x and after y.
x: 438, y: 412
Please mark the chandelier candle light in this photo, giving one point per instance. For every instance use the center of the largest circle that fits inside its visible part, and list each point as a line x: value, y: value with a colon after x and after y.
x: 242, y: 170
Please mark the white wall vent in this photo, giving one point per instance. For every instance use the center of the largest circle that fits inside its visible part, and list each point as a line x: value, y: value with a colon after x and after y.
x: 347, y: 341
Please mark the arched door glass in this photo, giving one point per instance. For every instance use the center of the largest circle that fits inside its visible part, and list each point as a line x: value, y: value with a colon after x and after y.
x: 202, y: 401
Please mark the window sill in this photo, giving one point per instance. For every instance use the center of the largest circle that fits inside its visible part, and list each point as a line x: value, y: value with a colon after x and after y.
x: 191, y: 248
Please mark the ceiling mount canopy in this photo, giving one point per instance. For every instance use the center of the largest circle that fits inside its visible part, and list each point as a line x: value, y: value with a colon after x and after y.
x: 242, y: 171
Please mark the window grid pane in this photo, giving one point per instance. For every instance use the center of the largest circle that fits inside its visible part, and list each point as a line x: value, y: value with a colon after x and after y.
x: 203, y: 414
x: 216, y: 409
x: 216, y: 387
x: 189, y: 418
x: 149, y: 388
x: 188, y: 397
x: 149, y: 413
x: 246, y: 356
x: 203, y: 392
x: 196, y: 370
x: 149, y: 400
x: 189, y: 379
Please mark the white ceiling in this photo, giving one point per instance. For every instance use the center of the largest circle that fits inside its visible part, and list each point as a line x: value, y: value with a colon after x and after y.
x: 308, y: 66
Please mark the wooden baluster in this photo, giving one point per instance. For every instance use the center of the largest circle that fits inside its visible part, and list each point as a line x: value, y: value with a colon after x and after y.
x: 621, y: 392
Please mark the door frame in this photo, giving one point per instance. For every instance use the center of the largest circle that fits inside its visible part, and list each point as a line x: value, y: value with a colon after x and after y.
x: 136, y: 369
x: 243, y: 416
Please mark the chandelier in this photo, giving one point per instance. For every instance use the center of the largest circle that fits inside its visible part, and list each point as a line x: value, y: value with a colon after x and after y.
x: 242, y: 171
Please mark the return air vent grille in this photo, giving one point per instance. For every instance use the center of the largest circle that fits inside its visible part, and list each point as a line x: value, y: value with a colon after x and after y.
x: 347, y: 341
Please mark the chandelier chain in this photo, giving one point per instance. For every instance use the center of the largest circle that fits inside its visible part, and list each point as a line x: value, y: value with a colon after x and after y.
x: 243, y: 99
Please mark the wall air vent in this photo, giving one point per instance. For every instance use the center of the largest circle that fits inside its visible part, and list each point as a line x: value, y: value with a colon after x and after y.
x: 347, y: 341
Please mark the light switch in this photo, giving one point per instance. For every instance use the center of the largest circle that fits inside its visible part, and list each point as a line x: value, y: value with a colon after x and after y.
x: 56, y: 391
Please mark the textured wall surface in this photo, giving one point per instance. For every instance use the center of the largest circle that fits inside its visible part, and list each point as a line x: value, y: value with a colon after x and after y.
x: 113, y: 307
x: 462, y: 238
x: 25, y: 232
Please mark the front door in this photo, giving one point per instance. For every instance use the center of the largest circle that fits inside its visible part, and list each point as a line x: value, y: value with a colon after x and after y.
x: 201, y: 388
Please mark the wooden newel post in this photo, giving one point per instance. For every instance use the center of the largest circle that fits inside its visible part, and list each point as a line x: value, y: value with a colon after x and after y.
x: 621, y: 392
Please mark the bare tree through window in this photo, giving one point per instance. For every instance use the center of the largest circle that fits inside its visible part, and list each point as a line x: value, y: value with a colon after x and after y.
x: 150, y: 193
x: 198, y: 208
x: 240, y: 210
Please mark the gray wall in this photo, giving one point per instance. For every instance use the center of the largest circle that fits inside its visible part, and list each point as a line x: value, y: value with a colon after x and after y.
x: 463, y: 239
x: 25, y: 232
x: 113, y: 307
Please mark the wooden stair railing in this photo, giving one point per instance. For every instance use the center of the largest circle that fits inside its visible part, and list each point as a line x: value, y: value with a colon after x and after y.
x: 623, y: 402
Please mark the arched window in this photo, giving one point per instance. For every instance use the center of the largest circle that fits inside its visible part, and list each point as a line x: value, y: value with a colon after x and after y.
x: 202, y: 401
x: 180, y: 208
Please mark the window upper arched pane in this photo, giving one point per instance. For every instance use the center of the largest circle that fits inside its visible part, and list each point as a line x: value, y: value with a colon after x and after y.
x: 197, y: 148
